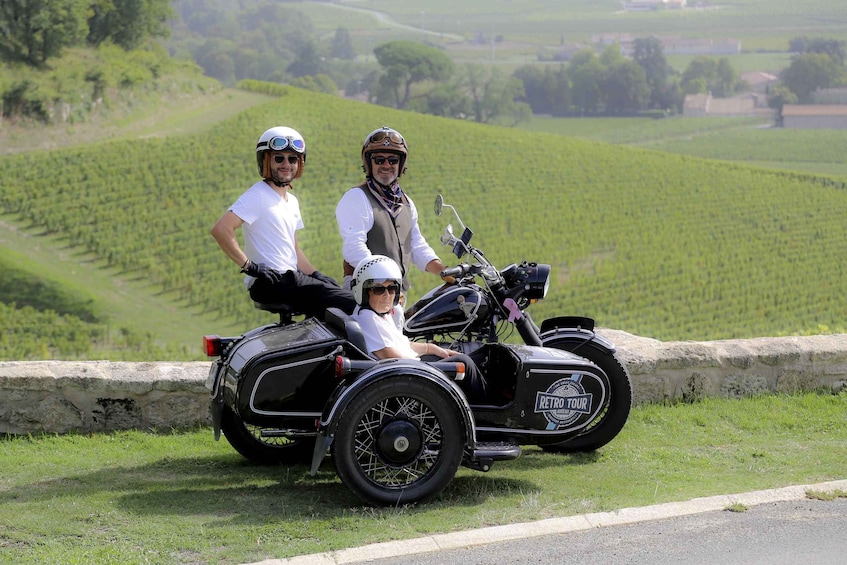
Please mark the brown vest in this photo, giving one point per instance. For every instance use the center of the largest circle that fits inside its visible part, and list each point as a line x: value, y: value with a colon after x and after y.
x: 390, y: 236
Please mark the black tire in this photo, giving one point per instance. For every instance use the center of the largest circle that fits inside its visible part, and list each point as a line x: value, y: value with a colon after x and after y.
x: 400, y: 441
x: 247, y: 440
x: 610, y: 421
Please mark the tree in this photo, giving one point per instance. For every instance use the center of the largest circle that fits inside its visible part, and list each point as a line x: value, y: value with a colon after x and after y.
x: 406, y: 63
x: 651, y: 57
x: 34, y: 31
x: 811, y: 71
x: 316, y: 83
x: 308, y: 59
x: 727, y: 78
x: 718, y: 77
x: 446, y: 100
x: 342, y: 45
x: 832, y: 47
x: 128, y: 23
x: 779, y: 97
x: 547, y: 90
x: 494, y: 96
x: 216, y: 58
x: 625, y: 88
x: 585, y: 73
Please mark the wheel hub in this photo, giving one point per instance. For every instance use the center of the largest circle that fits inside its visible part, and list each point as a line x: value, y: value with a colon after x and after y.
x: 399, y: 442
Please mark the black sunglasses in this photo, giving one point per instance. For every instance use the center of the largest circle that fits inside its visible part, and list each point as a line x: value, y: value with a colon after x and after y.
x: 380, y: 290
x: 381, y: 160
x: 292, y: 159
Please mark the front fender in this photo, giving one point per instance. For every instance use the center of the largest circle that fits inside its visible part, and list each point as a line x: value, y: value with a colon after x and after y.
x: 386, y: 369
x: 573, y: 327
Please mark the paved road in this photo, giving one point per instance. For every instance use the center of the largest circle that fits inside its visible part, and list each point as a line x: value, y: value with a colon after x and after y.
x: 776, y: 527
x: 777, y: 533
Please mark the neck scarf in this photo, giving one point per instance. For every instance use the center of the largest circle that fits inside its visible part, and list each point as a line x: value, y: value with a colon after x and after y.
x: 391, y: 196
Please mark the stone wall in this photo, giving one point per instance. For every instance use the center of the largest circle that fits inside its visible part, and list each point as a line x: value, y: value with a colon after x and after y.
x: 60, y: 396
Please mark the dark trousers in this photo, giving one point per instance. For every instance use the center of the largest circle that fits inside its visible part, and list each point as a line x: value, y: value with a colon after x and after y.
x: 303, y: 294
x: 473, y: 385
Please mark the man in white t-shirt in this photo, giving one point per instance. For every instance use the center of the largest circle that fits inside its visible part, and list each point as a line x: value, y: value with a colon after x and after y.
x: 278, y: 272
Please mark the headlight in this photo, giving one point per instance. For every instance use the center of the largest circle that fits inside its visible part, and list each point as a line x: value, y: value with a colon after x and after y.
x: 534, y: 279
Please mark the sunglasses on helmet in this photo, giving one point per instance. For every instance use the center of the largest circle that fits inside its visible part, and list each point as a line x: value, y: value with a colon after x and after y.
x: 381, y: 160
x: 380, y: 290
x: 387, y: 138
x: 286, y: 142
x: 292, y: 159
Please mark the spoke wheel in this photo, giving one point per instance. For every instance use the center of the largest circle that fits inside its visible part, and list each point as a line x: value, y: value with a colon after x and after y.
x: 247, y: 440
x: 399, y: 441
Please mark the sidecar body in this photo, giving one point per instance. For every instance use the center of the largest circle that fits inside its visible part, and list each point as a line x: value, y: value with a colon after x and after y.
x: 397, y: 429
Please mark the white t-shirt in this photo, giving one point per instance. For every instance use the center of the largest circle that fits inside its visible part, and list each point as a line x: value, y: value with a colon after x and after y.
x: 355, y: 218
x: 270, y: 225
x: 381, y: 332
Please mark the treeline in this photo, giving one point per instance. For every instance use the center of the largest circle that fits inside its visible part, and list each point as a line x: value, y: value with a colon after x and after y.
x: 62, y: 59
x: 233, y: 42
x: 275, y: 42
x: 35, y: 31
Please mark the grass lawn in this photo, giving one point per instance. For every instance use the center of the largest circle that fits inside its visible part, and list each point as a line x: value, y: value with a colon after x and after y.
x: 139, y: 497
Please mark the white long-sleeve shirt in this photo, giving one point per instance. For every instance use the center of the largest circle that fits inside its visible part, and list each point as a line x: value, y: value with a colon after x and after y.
x: 355, y: 218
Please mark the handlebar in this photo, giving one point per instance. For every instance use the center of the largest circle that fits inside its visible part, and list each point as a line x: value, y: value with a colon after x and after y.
x: 456, y: 272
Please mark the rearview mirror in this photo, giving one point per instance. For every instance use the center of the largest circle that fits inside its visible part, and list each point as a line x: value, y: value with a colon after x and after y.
x: 447, y: 236
x: 439, y: 205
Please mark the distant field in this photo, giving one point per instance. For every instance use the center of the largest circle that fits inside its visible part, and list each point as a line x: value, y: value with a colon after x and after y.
x: 761, y: 25
x: 746, y: 140
x: 639, y: 131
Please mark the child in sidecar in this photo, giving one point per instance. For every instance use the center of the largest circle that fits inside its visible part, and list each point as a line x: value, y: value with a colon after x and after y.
x: 376, y: 288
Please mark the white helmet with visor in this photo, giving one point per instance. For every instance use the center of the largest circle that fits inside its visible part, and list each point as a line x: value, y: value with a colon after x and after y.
x: 280, y: 138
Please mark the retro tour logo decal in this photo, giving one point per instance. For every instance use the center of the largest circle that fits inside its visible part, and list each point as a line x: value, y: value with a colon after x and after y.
x: 563, y: 402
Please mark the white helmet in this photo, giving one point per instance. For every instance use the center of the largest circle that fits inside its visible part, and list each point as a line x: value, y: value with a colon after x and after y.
x: 280, y: 138
x: 372, y: 270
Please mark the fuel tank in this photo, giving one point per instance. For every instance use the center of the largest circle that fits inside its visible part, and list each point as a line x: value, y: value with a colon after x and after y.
x: 448, y: 308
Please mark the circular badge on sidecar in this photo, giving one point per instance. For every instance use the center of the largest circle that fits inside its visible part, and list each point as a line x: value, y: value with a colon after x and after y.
x: 563, y: 402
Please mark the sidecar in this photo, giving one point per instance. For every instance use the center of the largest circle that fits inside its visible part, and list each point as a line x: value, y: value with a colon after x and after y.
x: 397, y: 429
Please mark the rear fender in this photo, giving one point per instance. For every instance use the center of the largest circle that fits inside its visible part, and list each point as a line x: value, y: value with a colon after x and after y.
x: 573, y: 327
x: 387, y: 369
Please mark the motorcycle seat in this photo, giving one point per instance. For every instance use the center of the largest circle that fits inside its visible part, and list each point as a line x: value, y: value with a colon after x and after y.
x: 285, y: 311
x: 348, y: 327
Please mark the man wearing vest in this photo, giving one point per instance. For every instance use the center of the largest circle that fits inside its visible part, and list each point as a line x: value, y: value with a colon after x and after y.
x: 377, y: 217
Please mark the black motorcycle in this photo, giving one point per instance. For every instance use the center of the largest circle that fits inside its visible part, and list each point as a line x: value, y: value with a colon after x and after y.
x: 398, y: 429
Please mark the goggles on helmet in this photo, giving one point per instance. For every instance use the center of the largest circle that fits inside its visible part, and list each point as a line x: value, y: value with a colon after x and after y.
x: 387, y: 138
x: 287, y: 142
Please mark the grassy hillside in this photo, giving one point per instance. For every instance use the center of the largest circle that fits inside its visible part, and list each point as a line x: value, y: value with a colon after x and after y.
x: 660, y: 245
